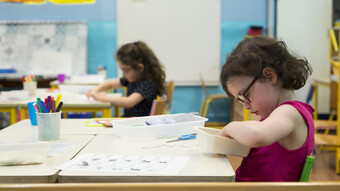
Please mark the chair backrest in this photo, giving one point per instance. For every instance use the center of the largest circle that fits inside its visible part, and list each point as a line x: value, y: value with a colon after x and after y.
x: 157, y: 107
x: 310, y: 93
x: 307, y: 169
x: 204, y: 88
x: 169, y: 92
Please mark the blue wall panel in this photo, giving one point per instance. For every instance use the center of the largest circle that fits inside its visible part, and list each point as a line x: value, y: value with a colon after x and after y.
x: 244, y: 10
x: 102, y: 44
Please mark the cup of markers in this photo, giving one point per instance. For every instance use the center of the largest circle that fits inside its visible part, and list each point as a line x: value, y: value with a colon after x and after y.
x: 29, y: 84
x: 48, y: 118
x: 101, y: 70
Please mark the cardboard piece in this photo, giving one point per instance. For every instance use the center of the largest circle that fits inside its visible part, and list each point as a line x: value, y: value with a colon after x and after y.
x: 209, y: 141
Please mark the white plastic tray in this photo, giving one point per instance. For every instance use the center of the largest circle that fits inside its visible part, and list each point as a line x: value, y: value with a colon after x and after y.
x: 209, y: 141
x: 136, y: 128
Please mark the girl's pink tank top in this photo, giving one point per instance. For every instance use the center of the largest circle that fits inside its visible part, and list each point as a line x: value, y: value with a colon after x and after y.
x: 276, y: 163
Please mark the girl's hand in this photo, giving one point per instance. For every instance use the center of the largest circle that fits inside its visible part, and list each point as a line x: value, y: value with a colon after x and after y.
x: 99, y: 97
x: 224, y: 134
x: 91, y: 93
x: 95, y: 96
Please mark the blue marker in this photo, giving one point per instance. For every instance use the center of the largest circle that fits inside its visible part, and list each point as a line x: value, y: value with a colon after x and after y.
x: 43, y: 107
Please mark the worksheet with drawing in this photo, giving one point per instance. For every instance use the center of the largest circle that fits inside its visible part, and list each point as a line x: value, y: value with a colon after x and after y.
x: 146, y: 164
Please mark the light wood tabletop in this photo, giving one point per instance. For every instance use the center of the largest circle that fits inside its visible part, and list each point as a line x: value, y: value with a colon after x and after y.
x: 201, y: 167
x: 68, y: 127
x: 44, y: 172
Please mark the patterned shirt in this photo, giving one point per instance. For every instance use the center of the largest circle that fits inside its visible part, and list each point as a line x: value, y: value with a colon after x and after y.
x: 148, y: 89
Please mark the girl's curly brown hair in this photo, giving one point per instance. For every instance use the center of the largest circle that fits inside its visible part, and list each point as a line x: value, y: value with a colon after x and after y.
x: 252, y: 55
x: 135, y: 53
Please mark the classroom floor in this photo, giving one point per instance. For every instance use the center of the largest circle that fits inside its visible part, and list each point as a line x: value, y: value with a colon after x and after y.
x: 324, y: 166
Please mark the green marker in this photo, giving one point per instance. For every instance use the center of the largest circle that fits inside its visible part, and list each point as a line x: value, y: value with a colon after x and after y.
x: 306, y: 169
x: 38, y: 103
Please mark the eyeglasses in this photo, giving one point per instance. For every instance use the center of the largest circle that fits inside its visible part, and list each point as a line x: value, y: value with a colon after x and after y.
x: 126, y: 70
x: 243, y: 98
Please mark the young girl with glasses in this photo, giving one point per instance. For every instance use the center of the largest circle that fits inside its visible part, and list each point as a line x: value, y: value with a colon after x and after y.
x: 143, y: 75
x: 262, y: 75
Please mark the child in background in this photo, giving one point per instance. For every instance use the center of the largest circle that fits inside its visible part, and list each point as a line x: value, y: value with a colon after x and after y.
x: 262, y: 75
x: 143, y: 75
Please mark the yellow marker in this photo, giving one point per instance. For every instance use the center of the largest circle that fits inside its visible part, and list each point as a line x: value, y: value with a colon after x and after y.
x: 26, y: 79
x: 58, y: 100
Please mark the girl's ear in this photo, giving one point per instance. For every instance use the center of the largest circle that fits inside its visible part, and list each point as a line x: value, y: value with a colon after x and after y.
x: 270, y: 75
x: 140, y: 67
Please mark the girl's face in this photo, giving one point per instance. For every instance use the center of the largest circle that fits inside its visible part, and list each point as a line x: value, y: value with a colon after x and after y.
x: 258, y: 96
x: 129, y: 73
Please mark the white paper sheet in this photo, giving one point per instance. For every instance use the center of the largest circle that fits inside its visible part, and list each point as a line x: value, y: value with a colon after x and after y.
x: 118, y: 163
x: 88, y: 79
x: 59, y: 147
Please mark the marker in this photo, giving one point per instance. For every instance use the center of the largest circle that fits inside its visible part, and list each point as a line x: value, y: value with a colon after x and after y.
x: 36, y: 107
x: 53, y: 105
x: 59, y: 106
x: 44, y: 109
x: 45, y: 102
x: 49, y: 104
x: 38, y: 103
x: 58, y: 100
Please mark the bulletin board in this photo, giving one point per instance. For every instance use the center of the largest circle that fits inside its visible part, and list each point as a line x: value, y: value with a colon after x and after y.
x: 184, y: 34
x: 44, y: 47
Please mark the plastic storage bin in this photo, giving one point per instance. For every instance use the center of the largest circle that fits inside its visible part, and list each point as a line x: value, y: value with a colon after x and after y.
x: 136, y: 128
x: 209, y: 141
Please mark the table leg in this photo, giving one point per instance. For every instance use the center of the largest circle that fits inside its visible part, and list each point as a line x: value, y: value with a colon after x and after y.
x: 13, y: 115
x: 107, y: 113
x: 337, y: 161
x: 117, y: 111
x: 23, y: 112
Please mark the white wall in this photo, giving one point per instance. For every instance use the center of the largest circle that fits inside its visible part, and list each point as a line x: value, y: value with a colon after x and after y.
x: 184, y: 34
x: 304, y: 25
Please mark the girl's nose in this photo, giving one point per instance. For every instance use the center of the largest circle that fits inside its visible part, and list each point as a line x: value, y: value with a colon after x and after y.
x: 246, y: 105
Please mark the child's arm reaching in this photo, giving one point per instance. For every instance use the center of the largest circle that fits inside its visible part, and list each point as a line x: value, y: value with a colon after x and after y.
x: 283, y: 121
x: 125, y: 102
x: 112, y: 84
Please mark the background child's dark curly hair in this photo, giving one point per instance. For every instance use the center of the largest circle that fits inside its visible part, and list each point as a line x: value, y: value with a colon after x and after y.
x: 252, y: 55
x: 135, y: 53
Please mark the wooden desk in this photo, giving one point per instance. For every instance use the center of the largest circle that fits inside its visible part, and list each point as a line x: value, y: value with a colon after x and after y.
x: 11, y: 108
x: 56, y: 84
x: 192, y: 186
x: 13, y: 81
x: 72, y: 103
x: 201, y: 167
x: 39, y: 173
